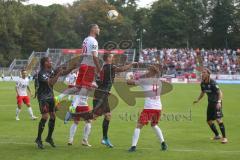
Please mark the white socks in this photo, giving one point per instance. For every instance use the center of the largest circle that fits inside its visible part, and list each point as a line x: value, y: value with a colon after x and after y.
x: 158, y: 133
x: 135, y: 136
x: 17, y: 111
x: 86, y: 131
x: 73, y: 130
x: 30, y: 111
x: 61, y: 96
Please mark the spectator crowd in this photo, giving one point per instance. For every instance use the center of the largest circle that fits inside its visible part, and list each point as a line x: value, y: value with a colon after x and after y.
x: 187, y: 60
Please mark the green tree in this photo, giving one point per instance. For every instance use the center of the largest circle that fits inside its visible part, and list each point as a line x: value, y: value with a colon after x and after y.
x: 167, y: 26
x: 221, y: 22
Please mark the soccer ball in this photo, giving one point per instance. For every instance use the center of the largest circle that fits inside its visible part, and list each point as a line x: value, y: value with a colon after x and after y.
x: 112, y: 14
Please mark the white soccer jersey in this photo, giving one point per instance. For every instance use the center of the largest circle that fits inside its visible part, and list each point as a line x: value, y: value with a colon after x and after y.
x: 72, y: 79
x: 152, y: 89
x: 89, y: 46
x: 21, y: 85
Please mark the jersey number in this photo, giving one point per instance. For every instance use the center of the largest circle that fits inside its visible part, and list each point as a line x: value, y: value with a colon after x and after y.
x: 155, y: 89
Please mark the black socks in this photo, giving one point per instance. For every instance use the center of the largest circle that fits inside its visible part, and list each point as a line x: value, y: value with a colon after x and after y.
x: 105, y: 125
x: 41, y: 128
x: 214, y: 129
x: 51, y: 126
x: 222, y: 128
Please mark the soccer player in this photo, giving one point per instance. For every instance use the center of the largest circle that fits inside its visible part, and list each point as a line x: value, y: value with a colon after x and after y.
x: 46, y: 79
x: 82, y: 106
x: 100, y: 102
x: 151, y: 85
x: 214, y: 109
x: 22, y: 85
x: 89, y: 63
x: 71, y: 80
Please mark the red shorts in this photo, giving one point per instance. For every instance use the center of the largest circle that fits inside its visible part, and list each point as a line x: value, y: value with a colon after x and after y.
x: 85, y: 76
x: 81, y: 109
x: 23, y: 99
x: 152, y: 115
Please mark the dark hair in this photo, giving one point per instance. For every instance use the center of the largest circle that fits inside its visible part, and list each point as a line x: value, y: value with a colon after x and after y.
x: 42, y: 62
x: 23, y: 70
x: 105, y: 56
x: 90, y: 27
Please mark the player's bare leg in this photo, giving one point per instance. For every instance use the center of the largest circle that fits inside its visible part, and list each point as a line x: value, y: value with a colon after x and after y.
x: 222, y: 129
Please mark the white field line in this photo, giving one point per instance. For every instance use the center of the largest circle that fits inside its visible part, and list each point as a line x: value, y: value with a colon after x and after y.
x: 139, y: 148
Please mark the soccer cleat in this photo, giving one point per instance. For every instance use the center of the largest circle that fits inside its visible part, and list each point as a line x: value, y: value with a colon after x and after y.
x: 70, y: 142
x: 107, y: 143
x: 39, y: 144
x: 17, y: 119
x: 72, y: 109
x: 85, y: 143
x: 216, y: 138
x: 164, y: 146
x: 224, y: 140
x: 34, y: 117
x: 56, y: 100
x: 50, y: 141
x: 132, y: 149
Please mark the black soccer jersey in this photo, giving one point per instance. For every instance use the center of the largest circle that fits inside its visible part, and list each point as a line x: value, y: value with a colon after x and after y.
x: 211, y: 89
x: 45, y: 91
x: 107, y: 76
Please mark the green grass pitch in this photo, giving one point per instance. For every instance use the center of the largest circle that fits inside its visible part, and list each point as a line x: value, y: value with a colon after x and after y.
x: 187, y: 138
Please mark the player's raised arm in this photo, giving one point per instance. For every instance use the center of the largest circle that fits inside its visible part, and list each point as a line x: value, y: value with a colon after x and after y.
x: 68, y: 70
x: 52, y: 81
x: 131, y: 82
x: 125, y: 67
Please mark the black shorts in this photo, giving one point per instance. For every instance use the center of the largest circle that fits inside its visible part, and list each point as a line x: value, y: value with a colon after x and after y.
x: 213, y: 113
x: 46, y: 106
x: 100, y: 103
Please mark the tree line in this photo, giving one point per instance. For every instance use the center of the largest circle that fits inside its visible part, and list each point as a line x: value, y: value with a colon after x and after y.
x: 166, y: 24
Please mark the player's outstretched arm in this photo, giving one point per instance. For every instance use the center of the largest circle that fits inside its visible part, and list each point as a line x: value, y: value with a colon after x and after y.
x: 125, y: 67
x: 199, y: 98
x: 52, y: 81
x: 69, y: 70
x: 131, y: 82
